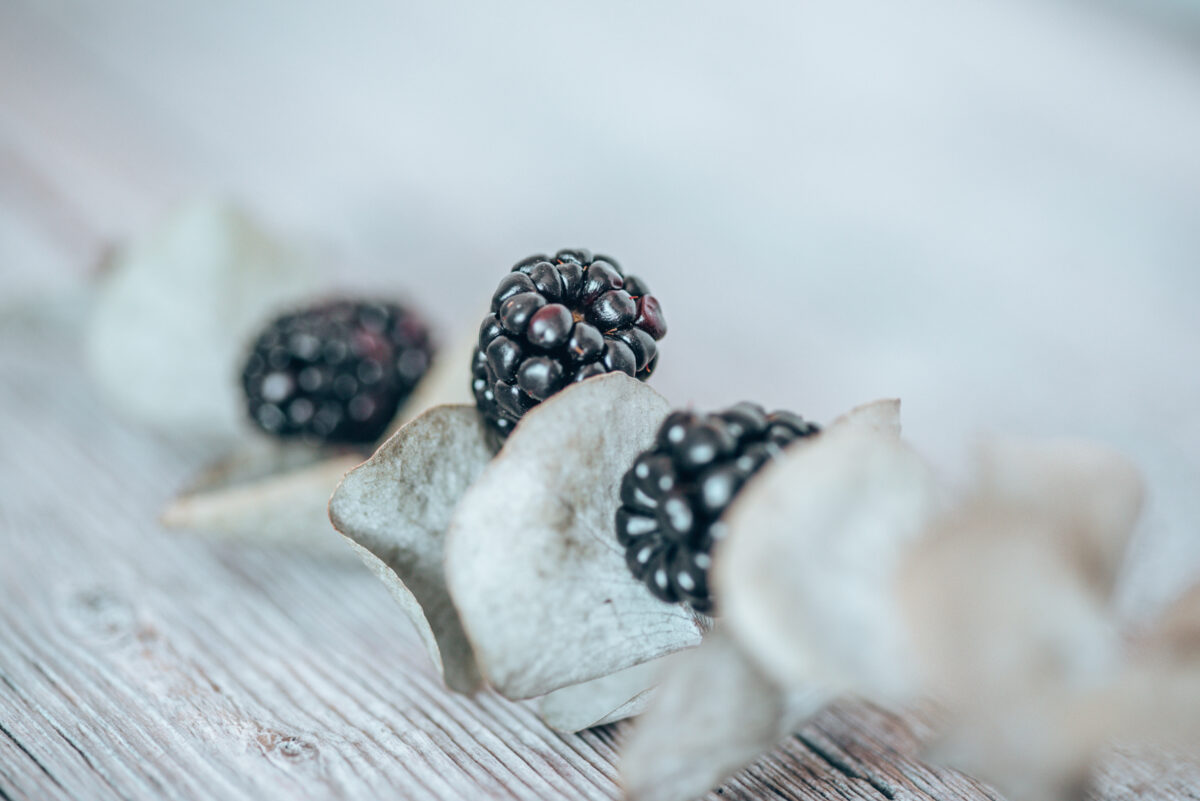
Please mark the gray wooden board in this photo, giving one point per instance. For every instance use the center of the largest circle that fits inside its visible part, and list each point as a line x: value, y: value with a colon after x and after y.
x: 137, y: 663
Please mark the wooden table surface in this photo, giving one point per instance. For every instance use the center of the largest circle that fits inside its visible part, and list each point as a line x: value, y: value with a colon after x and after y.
x: 137, y: 663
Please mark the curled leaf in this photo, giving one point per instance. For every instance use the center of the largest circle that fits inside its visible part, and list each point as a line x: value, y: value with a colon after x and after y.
x: 176, y: 309
x: 396, y: 507
x: 268, y: 494
x: 1008, y: 601
x: 715, y: 712
x: 806, y: 576
x: 279, y: 492
x: 532, y: 561
x: 1091, y: 493
x: 616, y: 696
x: 1161, y: 690
x: 881, y: 416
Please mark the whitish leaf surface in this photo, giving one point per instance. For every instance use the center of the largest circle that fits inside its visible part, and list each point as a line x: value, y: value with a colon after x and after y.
x: 1092, y: 495
x: 1008, y: 601
x: 881, y: 416
x: 176, y: 311
x: 714, y: 712
x: 532, y: 560
x: 806, y: 577
x: 395, y: 508
x: 270, y: 493
x: 616, y: 696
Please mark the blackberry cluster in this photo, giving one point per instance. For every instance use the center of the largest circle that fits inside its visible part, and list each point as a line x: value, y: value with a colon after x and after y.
x: 335, y: 372
x: 555, y: 321
x: 673, y: 497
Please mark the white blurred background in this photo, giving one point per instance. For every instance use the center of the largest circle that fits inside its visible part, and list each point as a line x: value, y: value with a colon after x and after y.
x: 989, y: 208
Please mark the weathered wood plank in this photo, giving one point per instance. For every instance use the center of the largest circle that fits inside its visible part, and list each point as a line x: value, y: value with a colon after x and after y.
x: 139, y: 664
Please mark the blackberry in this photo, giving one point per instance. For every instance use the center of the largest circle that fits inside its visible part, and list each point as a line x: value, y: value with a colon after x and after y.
x: 673, y: 497
x: 555, y: 321
x: 335, y: 372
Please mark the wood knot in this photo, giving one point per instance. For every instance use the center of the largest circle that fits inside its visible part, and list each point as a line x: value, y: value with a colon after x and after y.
x: 100, y: 614
x: 285, y: 747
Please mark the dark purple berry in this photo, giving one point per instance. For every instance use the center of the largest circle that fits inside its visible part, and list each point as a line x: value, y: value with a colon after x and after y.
x: 512, y: 284
x: 650, y: 317
x: 599, y: 279
x: 572, y: 278
x: 550, y: 326
x: 557, y: 321
x: 585, y: 344
x: 589, y: 371
x: 516, y: 311
x: 674, y: 495
x: 509, y: 398
x: 547, y: 281
x: 504, y: 357
x: 489, y: 329
x: 540, y: 377
x: 527, y: 264
x: 618, y: 357
x: 337, y: 372
x: 612, y: 311
x: 642, y: 344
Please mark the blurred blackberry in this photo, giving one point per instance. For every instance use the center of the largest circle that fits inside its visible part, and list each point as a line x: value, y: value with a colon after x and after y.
x: 555, y: 321
x: 335, y: 372
x: 673, y: 497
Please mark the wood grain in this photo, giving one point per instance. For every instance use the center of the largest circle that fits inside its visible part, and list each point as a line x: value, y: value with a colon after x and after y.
x: 140, y: 664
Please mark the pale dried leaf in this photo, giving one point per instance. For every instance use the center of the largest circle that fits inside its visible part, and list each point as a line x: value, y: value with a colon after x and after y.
x: 267, y: 495
x: 881, y: 416
x: 396, y: 508
x: 806, y: 576
x: 1041, y: 750
x: 1161, y: 690
x: 1008, y: 600
x: 176, y: 311
x: 1177, y: 631
x: 1093, y: 493
x: 714, y: 712
x: 994, y: 599
x: 532, y: 560
x: 616, y: 696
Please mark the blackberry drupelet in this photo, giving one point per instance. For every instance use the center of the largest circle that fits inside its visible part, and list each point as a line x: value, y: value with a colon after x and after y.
x: 335, y: 372
x: 673, y: 497
x: 555, y: 321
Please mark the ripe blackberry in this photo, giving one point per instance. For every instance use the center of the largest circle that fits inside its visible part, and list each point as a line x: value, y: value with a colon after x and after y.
x: 335, y: 372
x: 673, y: 497
x: 559, y: 320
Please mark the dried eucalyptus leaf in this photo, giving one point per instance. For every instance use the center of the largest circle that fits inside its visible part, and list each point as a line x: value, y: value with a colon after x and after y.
x: 1177, y: 631
x: 270, y: 495
x: 882, y: 416
x: 806, y: 576
x: 1042, y: 750
x: 176, y: 310
x: 1093, y: 493
x: 396, y: 508
x: 993, y: 597
x: 610, y: 698
x: 1161, y: 691
x: 532, y: 560
x: 714, y: 712
x: 1011, y: 592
